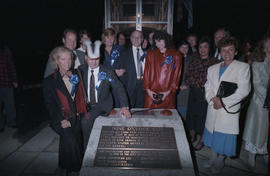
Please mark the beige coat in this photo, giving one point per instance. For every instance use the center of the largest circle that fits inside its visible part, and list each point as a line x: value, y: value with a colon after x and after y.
x: 219, y: 120
x: 256, y: 126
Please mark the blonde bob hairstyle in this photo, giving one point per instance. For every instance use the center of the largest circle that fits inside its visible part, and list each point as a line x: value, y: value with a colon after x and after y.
x: 55, y: 55
x: 108, y: 32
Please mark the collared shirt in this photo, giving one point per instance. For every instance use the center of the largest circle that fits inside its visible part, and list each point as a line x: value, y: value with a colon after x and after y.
x: 134, y: 50
x: 7, y: 71
x: 96, y: 71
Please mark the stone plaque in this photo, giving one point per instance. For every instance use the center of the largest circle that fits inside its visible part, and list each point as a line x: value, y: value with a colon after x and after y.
x: 137, y: 147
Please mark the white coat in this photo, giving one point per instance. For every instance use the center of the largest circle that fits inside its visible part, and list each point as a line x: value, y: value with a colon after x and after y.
x: 256, y: 126
x: 219, y: 120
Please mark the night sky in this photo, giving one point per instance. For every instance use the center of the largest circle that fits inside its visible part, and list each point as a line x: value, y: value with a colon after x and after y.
x: 32, y: 28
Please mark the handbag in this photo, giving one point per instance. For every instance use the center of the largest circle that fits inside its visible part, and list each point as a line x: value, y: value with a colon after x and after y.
x: 157, y: 98
x: 226, y: 89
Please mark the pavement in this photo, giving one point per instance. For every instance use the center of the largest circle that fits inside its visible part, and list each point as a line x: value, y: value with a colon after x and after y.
x: 32, y: 149
x: 38, y: 156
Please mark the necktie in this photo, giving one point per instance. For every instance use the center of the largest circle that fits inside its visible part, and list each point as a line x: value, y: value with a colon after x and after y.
x: 139, y: 64
x: 92, y: 89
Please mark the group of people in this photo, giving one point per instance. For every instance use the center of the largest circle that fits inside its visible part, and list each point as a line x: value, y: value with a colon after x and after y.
x: 216, y: 120
x: 82, y: 84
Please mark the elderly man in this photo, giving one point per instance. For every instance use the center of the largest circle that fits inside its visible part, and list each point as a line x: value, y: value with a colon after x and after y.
x: 133, y: 61
x: 69, y: 40
x: 219, y: 34
x: 98, y: 81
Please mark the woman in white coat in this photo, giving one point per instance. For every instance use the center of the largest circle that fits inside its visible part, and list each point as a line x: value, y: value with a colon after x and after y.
x: 256, y: 126
x: 222, y: 128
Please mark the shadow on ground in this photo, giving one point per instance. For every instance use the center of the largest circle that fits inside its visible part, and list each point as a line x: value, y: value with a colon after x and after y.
x: 31, y: 113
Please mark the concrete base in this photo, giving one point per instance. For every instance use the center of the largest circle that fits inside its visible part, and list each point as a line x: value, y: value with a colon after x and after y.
x: 154, y: 119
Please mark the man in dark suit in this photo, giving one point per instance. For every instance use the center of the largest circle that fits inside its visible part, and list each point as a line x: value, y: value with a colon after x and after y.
x: 98, y: 81
x: 69, y: 40
x: 132, y: 60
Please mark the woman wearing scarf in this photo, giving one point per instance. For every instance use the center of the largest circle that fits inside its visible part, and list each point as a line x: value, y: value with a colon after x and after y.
x: 65, y: 103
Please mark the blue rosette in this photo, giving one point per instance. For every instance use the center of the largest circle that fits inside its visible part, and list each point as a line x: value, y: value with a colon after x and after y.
x: 114, y: 55
x: 169, y: 60
x: 74, y: 80
x: 101, y: 77
x: 143, y: 56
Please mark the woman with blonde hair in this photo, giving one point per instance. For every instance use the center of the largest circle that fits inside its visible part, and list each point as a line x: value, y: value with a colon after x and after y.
x: 64, y: 101
x: 110, y: 56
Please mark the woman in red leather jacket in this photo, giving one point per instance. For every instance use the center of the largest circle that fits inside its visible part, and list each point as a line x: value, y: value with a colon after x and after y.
x: 162, y: 73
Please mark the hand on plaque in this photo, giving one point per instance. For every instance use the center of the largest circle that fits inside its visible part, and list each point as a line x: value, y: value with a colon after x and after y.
x: 125, y: 112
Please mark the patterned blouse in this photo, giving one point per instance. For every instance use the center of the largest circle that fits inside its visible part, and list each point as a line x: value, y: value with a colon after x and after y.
x: 197, y: 71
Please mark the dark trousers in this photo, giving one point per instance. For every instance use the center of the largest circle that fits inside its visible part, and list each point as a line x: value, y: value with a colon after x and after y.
x: 70, y: 145
x: 87, y: 125
x: 196, y: 110
x: 115, y: 99
x: 137, y: 97
x: 7, y: 98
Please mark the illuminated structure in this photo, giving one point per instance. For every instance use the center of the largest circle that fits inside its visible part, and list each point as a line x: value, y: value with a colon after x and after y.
x: 142, y: 14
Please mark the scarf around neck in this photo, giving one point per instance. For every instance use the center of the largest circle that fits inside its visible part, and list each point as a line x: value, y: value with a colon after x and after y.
x: 79, y: 101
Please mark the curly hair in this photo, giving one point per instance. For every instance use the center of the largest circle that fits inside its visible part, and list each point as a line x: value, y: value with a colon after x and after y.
x: 205, y: 39
x: 228, y: 41
x: 259, y: 54
x: 184, y: 42
x: 163, y: 35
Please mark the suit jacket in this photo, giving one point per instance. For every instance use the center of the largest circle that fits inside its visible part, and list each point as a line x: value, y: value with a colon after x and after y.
x: 52, y: 101
x: 49, y: 70
x: 104, y: 93
x: 130, y: 76
x: 219, y: 120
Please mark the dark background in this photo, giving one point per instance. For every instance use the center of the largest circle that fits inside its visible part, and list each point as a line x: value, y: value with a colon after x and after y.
x: 31, y: 28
